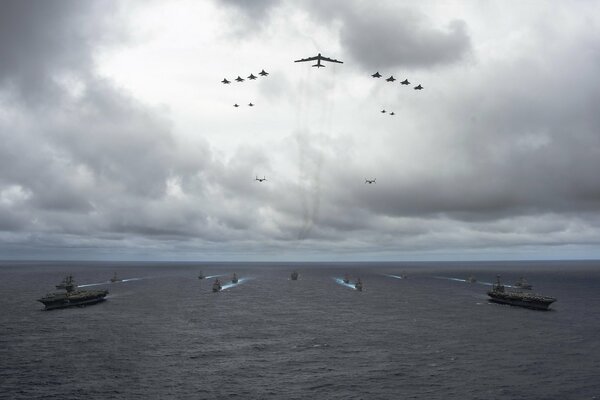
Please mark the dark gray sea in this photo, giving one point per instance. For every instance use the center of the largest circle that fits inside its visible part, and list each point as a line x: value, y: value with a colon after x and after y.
x: 165, y: 335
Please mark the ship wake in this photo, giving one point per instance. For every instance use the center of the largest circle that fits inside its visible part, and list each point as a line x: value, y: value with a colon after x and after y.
x: 340, y: 281
x: 231, y: 285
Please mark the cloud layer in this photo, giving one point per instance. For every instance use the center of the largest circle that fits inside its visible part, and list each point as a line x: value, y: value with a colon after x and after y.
x: 497, y: 156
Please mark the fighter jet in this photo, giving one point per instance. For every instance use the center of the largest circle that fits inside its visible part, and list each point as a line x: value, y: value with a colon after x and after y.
x: 405, y: 82
x: 376, y: 75
x: 319, y: 58
x: 383, y: 111
x: 236, y: 105
x: 260, y: 179
x: 252, y: 77
x: 419, y: 87
x: 369, y: 181
x: 251, y: 105
x: 392, y: 113
x: 239, y: 79
x: 263, y: 73
x: 391, y: 79
x: 225, y: 81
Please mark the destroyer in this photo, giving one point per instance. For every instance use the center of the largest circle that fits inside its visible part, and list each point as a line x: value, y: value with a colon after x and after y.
x: 358, y: 285
x: 346, y: 279
x: 216, y: 287
x: 200, y: 275
x: 499, y: 294
x: 471, y: 279
x: 294, y: 276
x: 114, y: 278
x: 72, y: 297
x: 523, y: 284
x: 234, y: 278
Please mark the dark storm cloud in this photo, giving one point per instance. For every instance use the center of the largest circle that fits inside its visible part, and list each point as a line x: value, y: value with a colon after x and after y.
x: 39, y: 39
x: 380, y: 37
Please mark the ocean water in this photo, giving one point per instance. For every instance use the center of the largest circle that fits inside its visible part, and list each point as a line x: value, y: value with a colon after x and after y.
x: 431, y: 336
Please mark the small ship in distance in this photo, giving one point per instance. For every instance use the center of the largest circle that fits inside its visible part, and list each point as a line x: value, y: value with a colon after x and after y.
x: 216, y: 287
x: 358, y: 285
x: 72, y: 297
x: 294, y: 276
x: 234, y: 278
x: 523, y: 284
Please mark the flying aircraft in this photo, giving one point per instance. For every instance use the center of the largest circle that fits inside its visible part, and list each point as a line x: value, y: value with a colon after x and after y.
x: 263, y: 73
x: 405, y: 82
x: 225, y: 81
x: 251, y: 105
x: 252, y: 77
x: 236, y: 105
x: 419, y: 87
x: 376, y: 75
x: 239, y: 79
x: 369, y: 181
x: 391, y: 79
x: 319, y: 58
x: 260, y: 179
x: 383, y: 111
x: 392, y: 113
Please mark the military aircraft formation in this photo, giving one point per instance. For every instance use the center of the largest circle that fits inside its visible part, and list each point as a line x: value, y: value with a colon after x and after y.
x: 319, y: 58
x: 251, y: 77
x: 392, y: 79
x: 240, y: 79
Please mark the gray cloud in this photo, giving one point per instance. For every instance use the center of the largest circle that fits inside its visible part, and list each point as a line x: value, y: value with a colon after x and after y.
x: 380, y: 37
x: 506, y: 158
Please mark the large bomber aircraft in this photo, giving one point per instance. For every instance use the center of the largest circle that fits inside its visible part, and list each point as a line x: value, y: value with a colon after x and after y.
x: 319, y: 58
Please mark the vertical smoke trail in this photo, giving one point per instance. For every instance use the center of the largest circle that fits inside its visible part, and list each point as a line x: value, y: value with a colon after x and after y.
x: 310, y: 156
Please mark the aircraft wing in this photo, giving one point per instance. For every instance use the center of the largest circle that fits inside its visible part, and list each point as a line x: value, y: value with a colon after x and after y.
x: 330, y: 60
x: 309, y: 59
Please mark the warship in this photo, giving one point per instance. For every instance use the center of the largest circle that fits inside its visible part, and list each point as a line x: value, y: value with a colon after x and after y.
x: 216, y: 287
x: 521, y: 283
x: 346, y: 279
x: 200, y: 275
x: 72, y: 297
x: 234, y: 278
x: 471, y: 279
x: 358, y: 285
x: 499, y: 294
x: 114, y: 278
x: 294, y: 276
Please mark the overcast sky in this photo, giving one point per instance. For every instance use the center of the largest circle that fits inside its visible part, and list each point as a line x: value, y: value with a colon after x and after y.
x: 118, y: 141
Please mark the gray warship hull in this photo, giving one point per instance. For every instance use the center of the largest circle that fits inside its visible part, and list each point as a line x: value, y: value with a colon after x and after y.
x: 76, y: 300
x: 514, y: 299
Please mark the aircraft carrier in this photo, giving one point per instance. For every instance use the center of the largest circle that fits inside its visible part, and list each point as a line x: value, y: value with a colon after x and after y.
x: 499, y: 294
x: 72, y: 297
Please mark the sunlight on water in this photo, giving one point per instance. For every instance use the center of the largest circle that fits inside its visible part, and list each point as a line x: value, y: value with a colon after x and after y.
x: 340, y: 281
